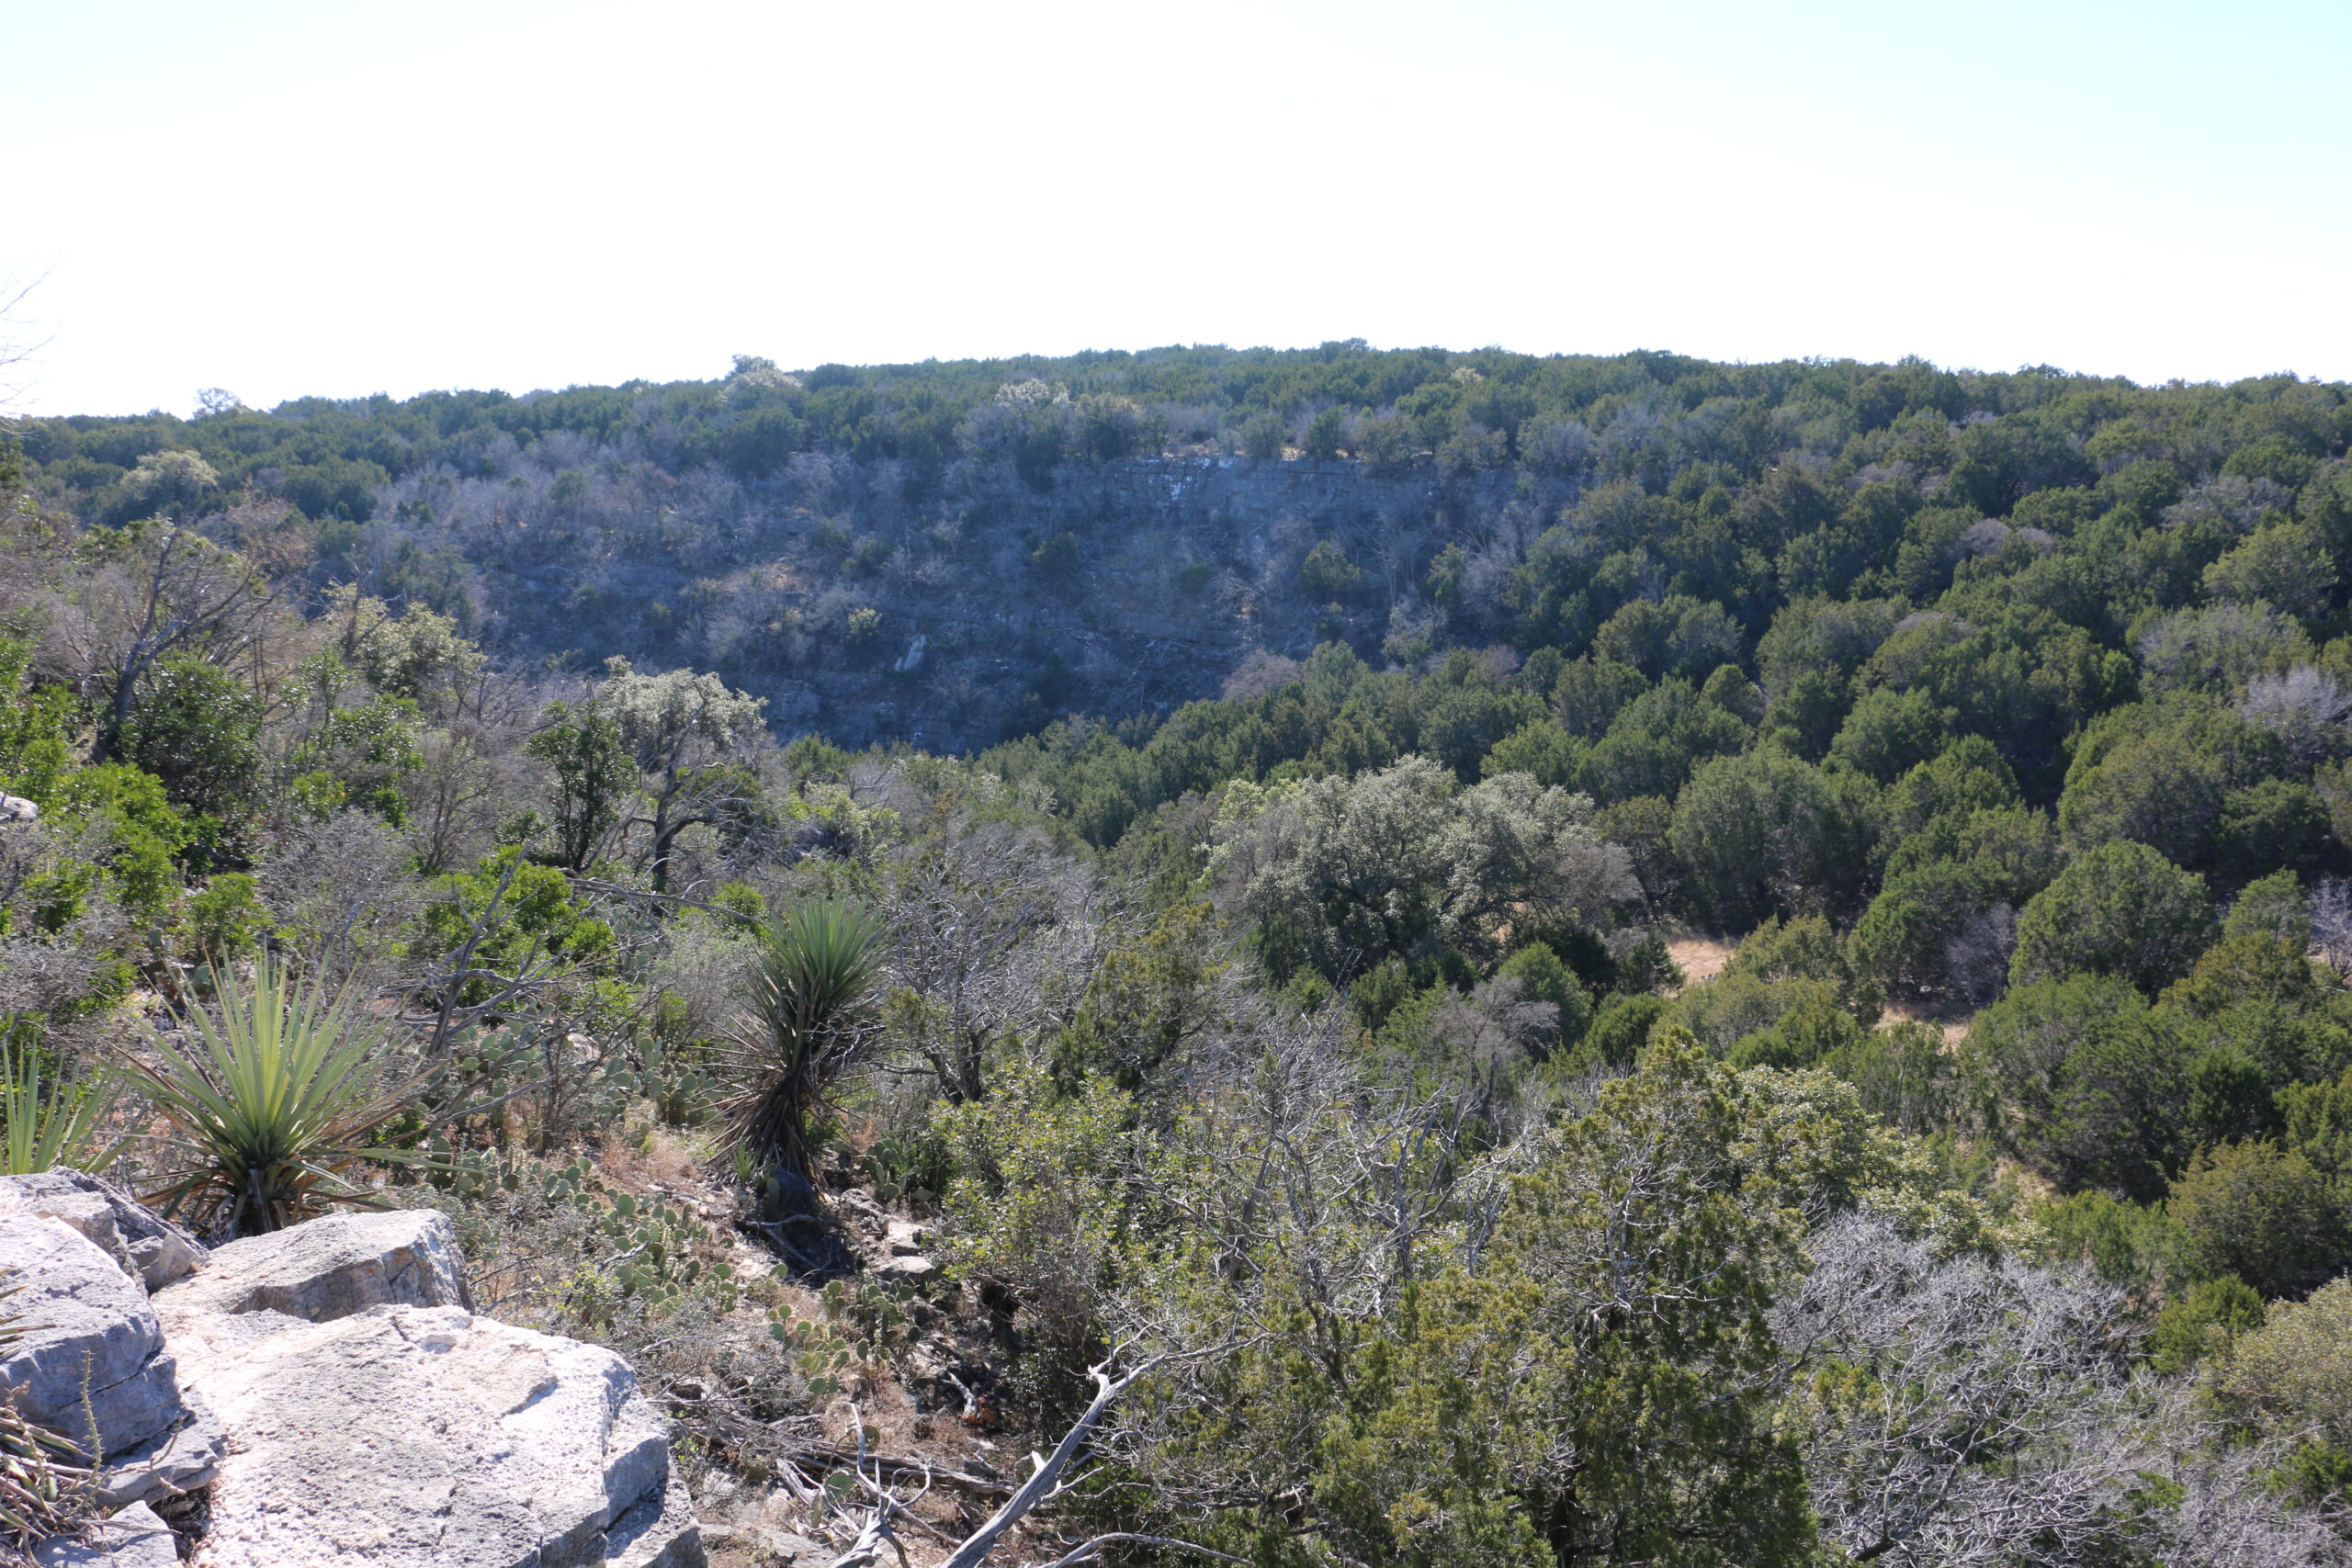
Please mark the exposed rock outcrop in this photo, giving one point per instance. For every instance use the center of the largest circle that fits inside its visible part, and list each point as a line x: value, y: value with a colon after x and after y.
x: 423, y: 1436
x: 331, y: 1385
x: 142, y: 1241
x: 91, y: 1363
x: 328, y: 1269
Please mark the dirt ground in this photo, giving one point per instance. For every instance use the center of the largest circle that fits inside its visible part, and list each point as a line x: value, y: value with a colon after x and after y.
x: 1953, y: 1026
x: 1699, y: 957
x: 794, y: 1520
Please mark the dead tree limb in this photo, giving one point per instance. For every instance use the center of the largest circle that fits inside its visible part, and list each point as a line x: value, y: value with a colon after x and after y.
x: 898, y: 1466
x: 1041, y: 1485
x: 867, y: 1550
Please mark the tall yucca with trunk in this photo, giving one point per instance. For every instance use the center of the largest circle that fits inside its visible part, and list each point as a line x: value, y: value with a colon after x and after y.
x: 271, y: 1104
x: 810, y: 1017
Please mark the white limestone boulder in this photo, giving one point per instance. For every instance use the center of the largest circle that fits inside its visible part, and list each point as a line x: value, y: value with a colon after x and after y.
x: 326, y: 1269
x: 331, y: 1386
x: 416, y: 1437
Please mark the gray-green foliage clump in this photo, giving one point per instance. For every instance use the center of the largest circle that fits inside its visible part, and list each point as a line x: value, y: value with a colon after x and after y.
x: 1364, y: 1320
x: 1742, y: 1276
x: 1341, y: 873
x: 666, y: 745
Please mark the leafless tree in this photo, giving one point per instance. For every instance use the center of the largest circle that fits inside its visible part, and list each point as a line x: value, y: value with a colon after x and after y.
x: 982, y: 918
x: 1976, y: 959
x: 36, y: 977
x: 468, y: 776
x: 2217, y: 647
x: 1961, y: 1425
x: 1486, y: 584
x: 1493, y: 1028
x: 166, y: 589
x: 2231, y: 1513
x: 1259, y: 673
x: 1962, y: 1410
x: 17, y: 349
x: 2332, y: 921
x: 343, y: 889
x: 2305, y: 708
x: 23, y: 842
x: 2235, y: 503
x: 703, y: 964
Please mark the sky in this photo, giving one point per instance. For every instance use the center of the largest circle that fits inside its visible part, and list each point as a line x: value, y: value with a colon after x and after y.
x: 303, y: 199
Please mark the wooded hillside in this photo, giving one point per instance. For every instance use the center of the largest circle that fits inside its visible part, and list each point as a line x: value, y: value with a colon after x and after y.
x: 877, y: 890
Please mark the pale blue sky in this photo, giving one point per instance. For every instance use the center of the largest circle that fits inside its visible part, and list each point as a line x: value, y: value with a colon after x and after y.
x: 311, y: 198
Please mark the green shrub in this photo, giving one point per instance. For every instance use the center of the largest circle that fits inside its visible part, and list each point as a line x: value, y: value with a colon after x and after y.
x: 2261, y: 1212
x: 2204, y: 1320
x: 225, y: 921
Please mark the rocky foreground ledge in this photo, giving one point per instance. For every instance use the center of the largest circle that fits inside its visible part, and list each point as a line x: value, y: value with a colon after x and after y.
x: 333, y: 1389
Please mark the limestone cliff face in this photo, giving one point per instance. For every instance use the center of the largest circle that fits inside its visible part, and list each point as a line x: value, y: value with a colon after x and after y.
x: 869, y: 602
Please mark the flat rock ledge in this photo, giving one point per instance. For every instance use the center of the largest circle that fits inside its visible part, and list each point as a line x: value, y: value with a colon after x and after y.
x: 333, y: 1387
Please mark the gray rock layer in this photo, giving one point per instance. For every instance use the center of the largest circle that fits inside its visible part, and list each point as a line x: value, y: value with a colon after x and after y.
x: 143, y: 1242
x: 660, y: 1532
x: 181, y: 1458
x: 328, y: 1269
x: 134, y: 1538
x: 92, y: 1362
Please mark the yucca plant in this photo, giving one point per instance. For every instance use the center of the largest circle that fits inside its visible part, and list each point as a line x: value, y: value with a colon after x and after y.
x: 809, y: 1020
x: 272, y: 1103
x: 50, y: 1123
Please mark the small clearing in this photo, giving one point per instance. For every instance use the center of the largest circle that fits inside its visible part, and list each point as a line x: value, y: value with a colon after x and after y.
x: 1699, y: 957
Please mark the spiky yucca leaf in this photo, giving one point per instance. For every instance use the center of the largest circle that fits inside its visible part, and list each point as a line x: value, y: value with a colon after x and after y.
x: 62, y: 1127
x: 271, y: 1104
x: 810, y: 1001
